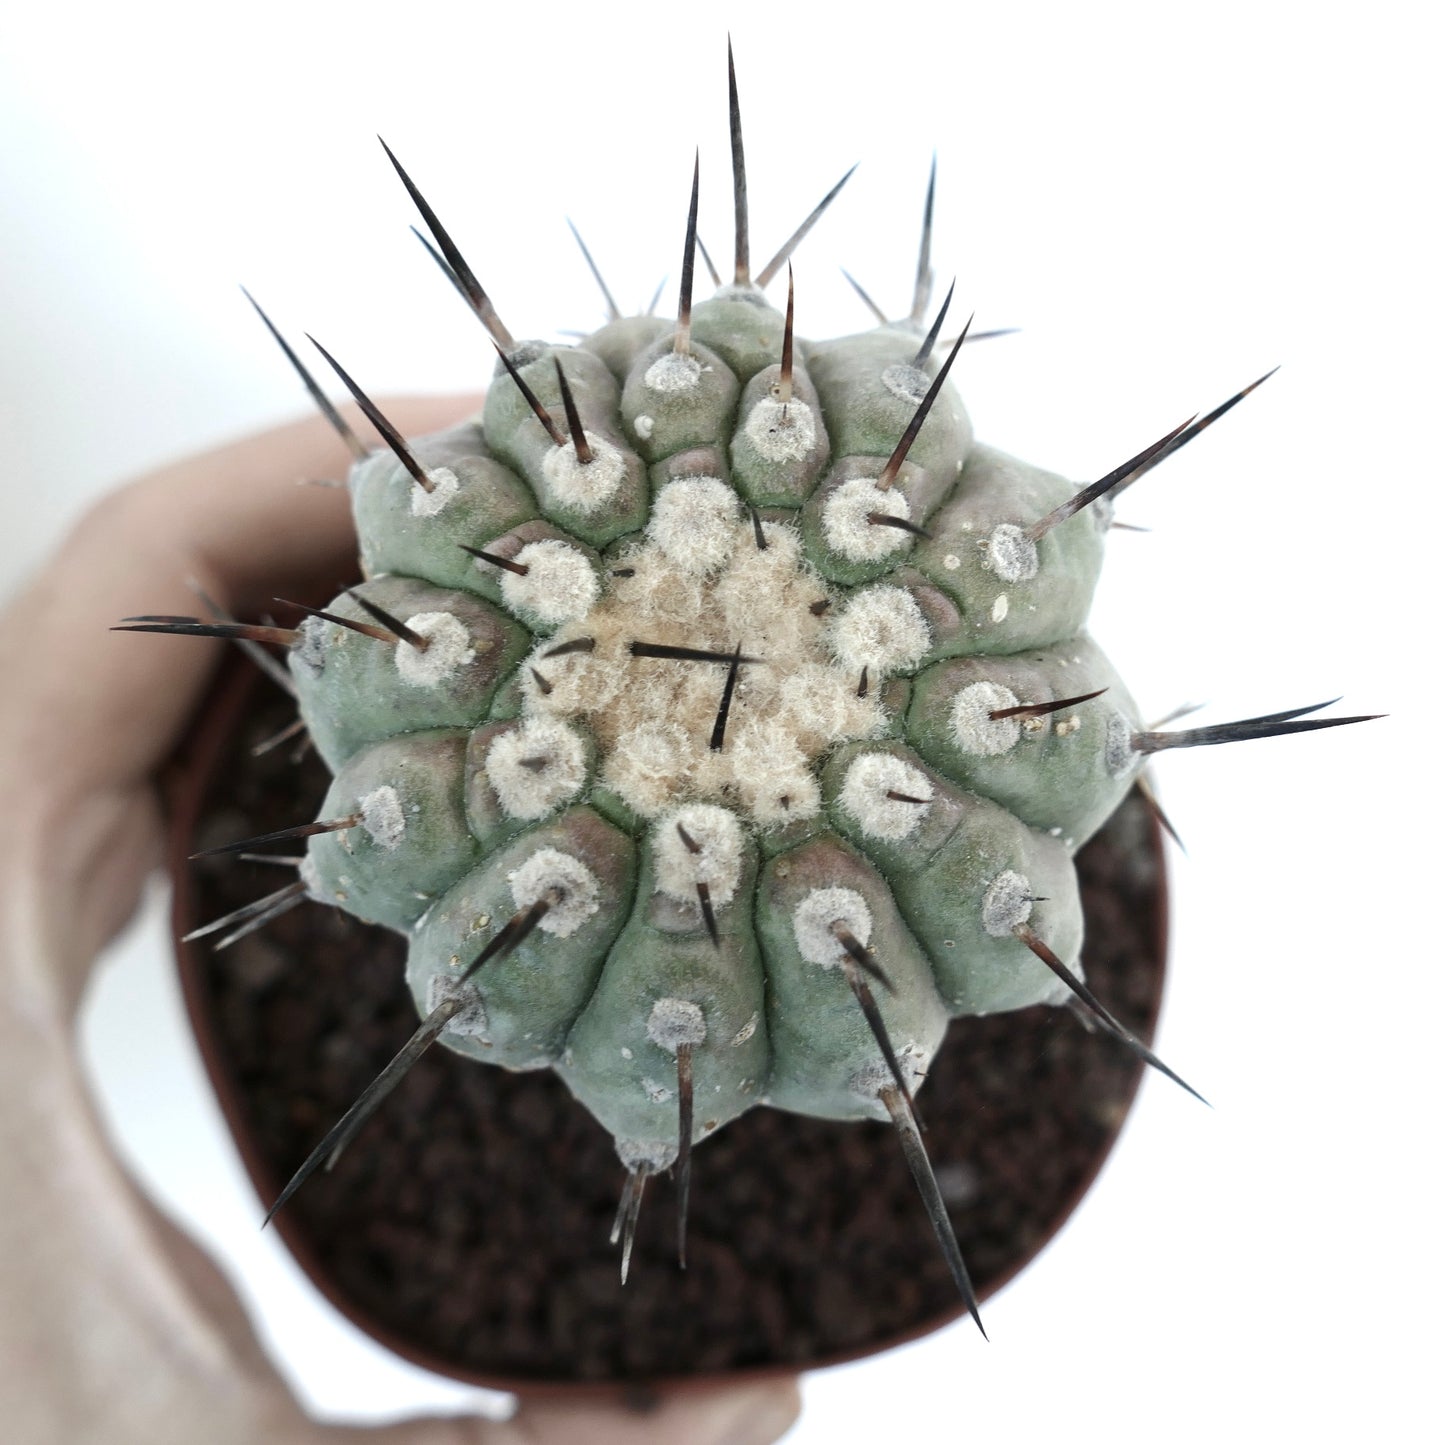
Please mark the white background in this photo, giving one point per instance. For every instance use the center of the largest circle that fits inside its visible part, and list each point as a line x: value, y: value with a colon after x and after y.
x: 1168, y: 200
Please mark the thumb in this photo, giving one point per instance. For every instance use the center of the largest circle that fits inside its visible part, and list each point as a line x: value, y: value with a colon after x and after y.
x: 736, y: 1415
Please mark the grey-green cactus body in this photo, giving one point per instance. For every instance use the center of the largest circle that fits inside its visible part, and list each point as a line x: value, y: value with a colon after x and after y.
x: 561, y: 741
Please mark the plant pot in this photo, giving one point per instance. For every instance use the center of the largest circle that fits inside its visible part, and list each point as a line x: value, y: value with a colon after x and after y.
x: 467, y: 1227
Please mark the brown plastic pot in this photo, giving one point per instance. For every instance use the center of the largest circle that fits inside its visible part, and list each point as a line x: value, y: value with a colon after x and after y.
x: 467, y: 1227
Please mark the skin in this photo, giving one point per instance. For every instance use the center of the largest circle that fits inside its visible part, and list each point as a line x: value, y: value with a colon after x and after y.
x: 113, y: 1325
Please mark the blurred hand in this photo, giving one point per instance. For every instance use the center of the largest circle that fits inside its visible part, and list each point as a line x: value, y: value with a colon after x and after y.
x: 114, y: 1327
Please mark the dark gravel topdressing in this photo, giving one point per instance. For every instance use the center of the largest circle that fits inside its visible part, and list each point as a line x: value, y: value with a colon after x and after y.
x: 468, y: 1224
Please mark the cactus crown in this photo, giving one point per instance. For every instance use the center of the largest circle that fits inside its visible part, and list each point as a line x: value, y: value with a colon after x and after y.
x: 716, y: 718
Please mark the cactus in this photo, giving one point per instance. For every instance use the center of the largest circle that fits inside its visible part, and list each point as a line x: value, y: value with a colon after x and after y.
x: 717, y: 718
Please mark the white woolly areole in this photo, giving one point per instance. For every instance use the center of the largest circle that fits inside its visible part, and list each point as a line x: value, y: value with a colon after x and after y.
x: 308, y: 873
x: 773, y: 777
x: 907, y: 382
x: 382, y: 817
x: 818, y: 703
x: 718, y: 837
x: 558, y: 767
x: 763, y: 597
x: 449, y: 649
x: 673, y: 373
x: 444, y: 486
x: 583, y: 486
x: 559, y: 586
x: 864, y: 795
x: 815, y: 916
x: 781, y: 431
x: 649, y: 1156
x: 847, y: 528
x: 549, y: 871
x: 309, y: 649
x: 659, y: 590
x: 973, y: 730
x: 675, y: 1021
x: 1120, y: 754
x: 875, y: 1076
x: 578, y: 681
x: 470, y: 1022
x: 694, y: 523
x: 1007, y: 902
x: 649, y: 764
x: 882, y: 628
x: 1011, y: 554
x: 785, y: 543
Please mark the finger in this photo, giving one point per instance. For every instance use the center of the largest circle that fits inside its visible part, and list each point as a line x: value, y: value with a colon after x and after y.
x: 118, y: 1328
x: 137, y: 1331
x: 89, y: 713
x: 103, y: 709
x: 741, y: 1415
x: 737, y: 1415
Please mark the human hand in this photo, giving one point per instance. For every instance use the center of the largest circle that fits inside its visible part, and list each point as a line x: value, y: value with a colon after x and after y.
x: 114, y: 1327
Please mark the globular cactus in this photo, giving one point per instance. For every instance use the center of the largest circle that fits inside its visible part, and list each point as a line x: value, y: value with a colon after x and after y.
x: 717, y: 718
